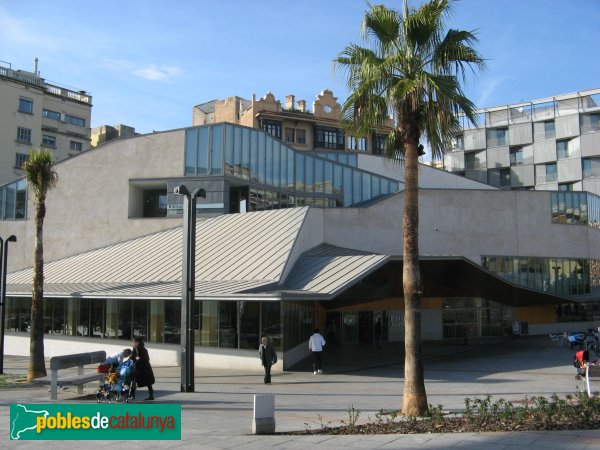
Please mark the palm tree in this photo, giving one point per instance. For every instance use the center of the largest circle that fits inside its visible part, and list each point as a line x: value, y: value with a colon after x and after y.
x: 41, y: 177
x: 411, y: 71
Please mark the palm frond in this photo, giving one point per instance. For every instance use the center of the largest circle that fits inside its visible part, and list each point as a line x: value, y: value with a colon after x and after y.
x: 39, y: 171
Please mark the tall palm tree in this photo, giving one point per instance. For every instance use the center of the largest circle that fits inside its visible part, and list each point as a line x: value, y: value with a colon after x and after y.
x: 412, y: 71
x: 41, y: 177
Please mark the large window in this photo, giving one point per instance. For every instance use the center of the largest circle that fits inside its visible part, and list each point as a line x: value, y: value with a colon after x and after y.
x: 497, y: 137
x: 50, y: 114
x: 24, y: 135
x: 516, y: 156
x: 379, y: 144
x: 75, y: 146
x: 20, y: 159
x: 295, y: 135
x: 13, y: 200
x: 590, y: 123
x: 357, y: 144
x: 273, y: 127
x: 75, y: 120
x: 26, y: 105
x: 48, y: 141
x: 329, y: 138
x: 475, y: 317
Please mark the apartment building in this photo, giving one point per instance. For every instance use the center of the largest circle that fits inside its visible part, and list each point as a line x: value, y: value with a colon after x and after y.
x: 550, y: 144
x: 292, y: 122
x: 38, y: 114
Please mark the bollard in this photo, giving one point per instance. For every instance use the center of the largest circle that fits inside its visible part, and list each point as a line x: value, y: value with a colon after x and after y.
x: 264, y: 414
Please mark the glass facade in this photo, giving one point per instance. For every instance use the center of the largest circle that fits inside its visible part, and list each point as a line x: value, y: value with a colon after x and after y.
x: 575, y: 208
x: 222, y: 324
x: 279, y: 176
x: 475, y: 317
x: 559, y: 276
x: 13, y: 200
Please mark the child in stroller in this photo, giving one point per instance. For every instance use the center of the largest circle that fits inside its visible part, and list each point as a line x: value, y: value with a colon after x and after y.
x: 118, y: 382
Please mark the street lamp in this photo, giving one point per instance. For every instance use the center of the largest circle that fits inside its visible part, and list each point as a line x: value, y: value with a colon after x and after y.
x: 188, y: 283
x: 3, y: 269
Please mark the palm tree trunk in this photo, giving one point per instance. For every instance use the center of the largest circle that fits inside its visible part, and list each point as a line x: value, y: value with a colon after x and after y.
x: 414, y: 397
x: 37, y: 364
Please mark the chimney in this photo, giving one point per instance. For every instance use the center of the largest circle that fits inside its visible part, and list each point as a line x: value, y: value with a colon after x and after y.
x: 35, y: 66
x: 302, y: 105
x: 289, y: 102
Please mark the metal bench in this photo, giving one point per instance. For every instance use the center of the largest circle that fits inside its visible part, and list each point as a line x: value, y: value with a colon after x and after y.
x: 68, y: 361
x: 591, y: 371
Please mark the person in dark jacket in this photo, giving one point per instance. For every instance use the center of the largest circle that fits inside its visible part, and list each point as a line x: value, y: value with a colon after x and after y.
x: 268, y: 357
x: 144, y: 376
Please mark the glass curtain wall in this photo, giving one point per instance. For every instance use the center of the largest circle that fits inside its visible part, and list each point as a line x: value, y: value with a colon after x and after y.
x: 227, y: 324
x: 560, y: 276
x: 275, y: 171
x: 475, y: 317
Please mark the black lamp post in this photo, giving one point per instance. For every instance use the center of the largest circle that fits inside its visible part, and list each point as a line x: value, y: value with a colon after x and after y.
x: 188, y: 283
x: 3, y: 269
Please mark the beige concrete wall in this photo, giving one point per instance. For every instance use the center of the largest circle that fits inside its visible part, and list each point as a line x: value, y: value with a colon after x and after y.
x: 89, y: 207
x: 467, y: 223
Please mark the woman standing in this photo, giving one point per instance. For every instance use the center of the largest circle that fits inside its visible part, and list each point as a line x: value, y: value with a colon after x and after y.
x: 144, y: 374
x: 268, y: 357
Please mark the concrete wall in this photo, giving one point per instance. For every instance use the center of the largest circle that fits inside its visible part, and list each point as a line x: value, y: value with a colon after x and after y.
x: 89, y: 208
x: 467, y: 223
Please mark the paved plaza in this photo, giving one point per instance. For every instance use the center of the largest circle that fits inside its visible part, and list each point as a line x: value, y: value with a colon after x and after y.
x: 219, y: 414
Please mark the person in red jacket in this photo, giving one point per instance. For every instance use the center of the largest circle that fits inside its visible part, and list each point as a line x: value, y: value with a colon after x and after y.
x: 581, y: 360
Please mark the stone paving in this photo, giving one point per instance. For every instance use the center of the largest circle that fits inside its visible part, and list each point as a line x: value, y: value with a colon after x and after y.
x: 219, y: 414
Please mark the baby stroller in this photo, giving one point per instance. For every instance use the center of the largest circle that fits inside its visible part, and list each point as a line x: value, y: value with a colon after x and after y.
x: 118, y: 384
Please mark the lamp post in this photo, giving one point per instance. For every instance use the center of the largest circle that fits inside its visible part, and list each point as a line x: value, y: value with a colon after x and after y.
x: 3, y: 269
x: 188, y: 283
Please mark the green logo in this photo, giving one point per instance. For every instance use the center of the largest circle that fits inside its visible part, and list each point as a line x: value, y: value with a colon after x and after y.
x: 103, y: 421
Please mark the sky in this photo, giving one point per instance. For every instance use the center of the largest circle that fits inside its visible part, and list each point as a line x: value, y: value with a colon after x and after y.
x: 147, y: 63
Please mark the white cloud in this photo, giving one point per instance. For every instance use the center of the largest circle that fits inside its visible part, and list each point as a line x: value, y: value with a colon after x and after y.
x: 156, y: 73
x: 149, y: 72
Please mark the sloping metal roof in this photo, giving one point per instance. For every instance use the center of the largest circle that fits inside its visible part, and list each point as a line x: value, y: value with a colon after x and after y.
x: 328, y: 270
x: 248, y: 247
x: 238, y: 256
x: 207, y: 107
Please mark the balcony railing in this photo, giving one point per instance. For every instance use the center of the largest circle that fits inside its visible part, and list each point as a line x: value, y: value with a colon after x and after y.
x: 32, y: 79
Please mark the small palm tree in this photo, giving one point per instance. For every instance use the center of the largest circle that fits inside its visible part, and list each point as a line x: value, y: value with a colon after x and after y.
x: 411, y: 71
x: 41, y: 177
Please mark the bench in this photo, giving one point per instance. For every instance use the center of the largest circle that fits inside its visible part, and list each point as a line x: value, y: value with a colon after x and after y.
x: 591, y: 371
x: 67, y: 361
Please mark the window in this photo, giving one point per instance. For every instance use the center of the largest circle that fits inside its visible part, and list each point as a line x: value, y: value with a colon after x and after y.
x: 590, y: 123
x: 551, y: 173
x: 379, y: 144
x: 272, y: 127
x: 24, y: 135
x: 329, y: 138
x: 50, y: 114
x: 75, y: 120
x: 516, y: 156
x: 549, y: 131
x: 565, y: 187
x: 358, y: 144
x: 20, y: 159
x: 294, y: 135
x: 49, y: 141
x: 25, y: 105
x: 497, y: 137
x: 459, y: 143
x: 564, y: 150
x: 75, y: 146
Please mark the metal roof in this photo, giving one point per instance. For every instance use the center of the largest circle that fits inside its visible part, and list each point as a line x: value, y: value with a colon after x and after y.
x: 207, y: 107
x: 250, y: 246
x: 328, y: 270
x: 238, y: 256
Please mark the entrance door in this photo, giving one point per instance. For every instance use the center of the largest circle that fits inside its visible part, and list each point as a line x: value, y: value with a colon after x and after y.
x: 365, y: 326
x: 349, y: 327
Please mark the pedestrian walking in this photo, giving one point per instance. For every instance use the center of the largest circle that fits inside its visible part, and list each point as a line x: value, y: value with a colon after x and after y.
x: 268, y: 357
x: 144, y: 375
x: 315, y: 345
